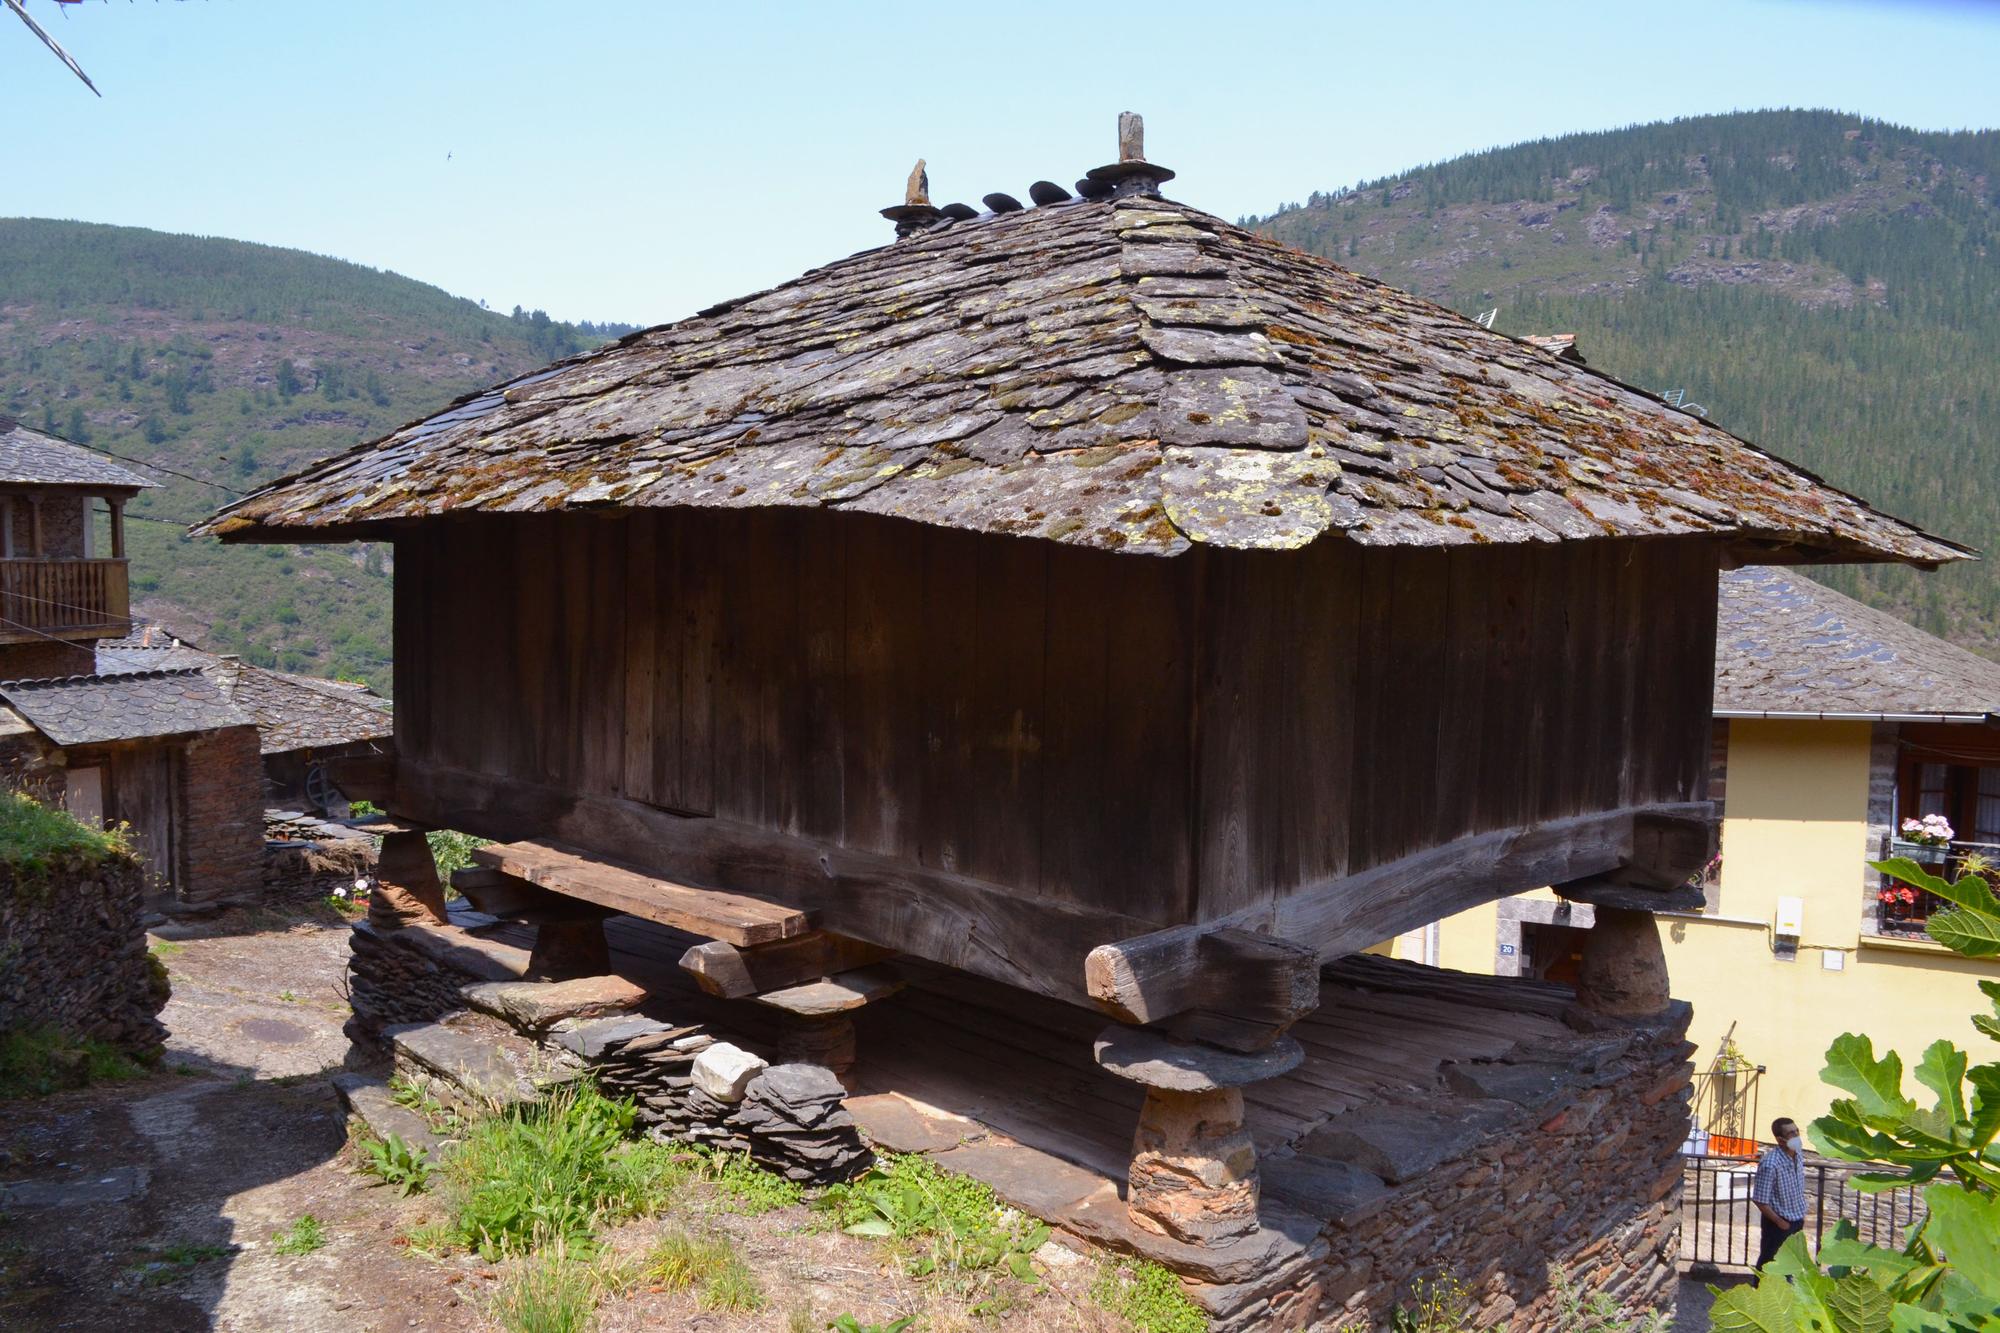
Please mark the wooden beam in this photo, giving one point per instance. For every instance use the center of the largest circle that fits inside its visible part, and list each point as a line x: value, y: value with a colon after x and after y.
x: 1258, y: 986
x: 1036, y: 944
x: 1669, y: 847
x: 575, y: 873
x: 513, y: 899
x: 732, y: 974
x: 1159, y: 975
x: 364, y: 777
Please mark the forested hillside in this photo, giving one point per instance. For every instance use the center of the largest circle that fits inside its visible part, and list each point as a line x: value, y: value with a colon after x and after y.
x: 236, y: 363
x: 1822, y: 284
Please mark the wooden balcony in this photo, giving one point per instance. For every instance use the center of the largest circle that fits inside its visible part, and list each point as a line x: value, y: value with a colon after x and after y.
x: 63, y: 599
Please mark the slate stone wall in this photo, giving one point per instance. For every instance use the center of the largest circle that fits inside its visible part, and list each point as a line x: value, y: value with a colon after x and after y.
x: 222, y: 817
x: 73, y: 954
x: 1516, y: 1170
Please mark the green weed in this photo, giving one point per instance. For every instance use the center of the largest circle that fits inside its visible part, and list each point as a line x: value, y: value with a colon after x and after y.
x: 953, y: 1222
x: 168, y: 1262
x: 303, y: 1237
x: 1438, y: 1304
x: 36, y: 837
x: 555, y: 1171
x: 165, y: 949
x: 1147, y: 1297
x: 37, y: 1061
x: 847, y: 1323
x: 393, y: 1161
x: 758, y: 1190
x: 707, y: 1264
x: 549, y: 1293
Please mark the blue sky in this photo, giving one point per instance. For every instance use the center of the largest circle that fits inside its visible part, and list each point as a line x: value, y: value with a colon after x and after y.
x: 635, y: 161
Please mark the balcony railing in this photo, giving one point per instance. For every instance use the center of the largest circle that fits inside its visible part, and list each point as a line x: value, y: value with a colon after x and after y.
x: 1902, y: 909
x: 63, y: 599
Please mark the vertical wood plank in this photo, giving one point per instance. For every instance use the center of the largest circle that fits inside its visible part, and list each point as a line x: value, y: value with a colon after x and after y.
x: 951, y: 604
x: 1507, y: 768
x: 1325, y: 612
x: 699, y: 615
x: 1403, y: 621
x: 1076, y: 783
x: 602, y: 684
x: 415, y: 653
x: 1147, y: 810
x: 1011, y: 630
x: 643, y: 651
x: 887, y: 660
x: 668, y: 606
x: 817, y: 739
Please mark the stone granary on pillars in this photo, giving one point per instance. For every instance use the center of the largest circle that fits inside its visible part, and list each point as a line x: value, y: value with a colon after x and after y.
x: 1094, y: 597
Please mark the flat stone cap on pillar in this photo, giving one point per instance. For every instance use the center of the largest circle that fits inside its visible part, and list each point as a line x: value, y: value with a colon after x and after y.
x: 1159, y: 1061
x: 1632, y: 898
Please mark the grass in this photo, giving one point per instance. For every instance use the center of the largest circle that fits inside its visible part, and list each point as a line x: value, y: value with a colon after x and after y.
x: 554, y: 1174
x: 756, y: 1189
x: 302, y: 1237
x: 168, y: 1262
x: 37, y: 1061
x: 942, y: 1220
x: 1147, y: 1297
x: 35, y: 838
x: 710, y: 1266
x: 165, y: 949
x: 553, y: 1292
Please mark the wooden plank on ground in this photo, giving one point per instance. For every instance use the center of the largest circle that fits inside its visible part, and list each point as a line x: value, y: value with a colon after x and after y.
x: 733, y: 917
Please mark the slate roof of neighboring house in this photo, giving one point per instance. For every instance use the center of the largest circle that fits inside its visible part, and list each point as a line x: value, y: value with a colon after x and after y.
x: 85, y: 710
x: 1128, y: 374
x: 33, y: 457
x: 292, y: 712
x: 1788, y: 646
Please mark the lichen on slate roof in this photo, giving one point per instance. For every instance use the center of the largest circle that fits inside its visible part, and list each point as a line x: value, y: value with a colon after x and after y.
x: 1787, y: 645
x: 1130, y: 374
x: 31, y: 457
x: 86, y: 710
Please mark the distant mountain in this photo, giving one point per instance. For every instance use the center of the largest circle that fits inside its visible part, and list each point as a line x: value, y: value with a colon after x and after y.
x: 236, y: 363
x: 1825, y: 285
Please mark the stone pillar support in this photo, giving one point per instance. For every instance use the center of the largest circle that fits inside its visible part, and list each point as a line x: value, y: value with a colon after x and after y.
x: 570, y: 947
x: 407, y: 889
x: 1624, y: 972
x: 1194, y: 1167
x: 816, y: 1024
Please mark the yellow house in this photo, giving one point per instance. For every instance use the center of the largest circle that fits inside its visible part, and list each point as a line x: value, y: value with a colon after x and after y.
x: 1834, y: 722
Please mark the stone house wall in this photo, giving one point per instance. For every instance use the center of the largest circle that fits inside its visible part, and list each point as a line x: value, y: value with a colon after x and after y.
x: 73, y: 954
x: 222, y: 816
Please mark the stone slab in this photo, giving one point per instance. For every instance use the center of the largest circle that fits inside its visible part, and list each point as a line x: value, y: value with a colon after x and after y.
x: 903, y: 1124
x: 1321, y: 1188
x: 451, y: 946
x: 591, y: 1039
x: 475, y: 1060
x: 1396, y: 1143
x: 542, y: 1004
x: 835, y: 995
x: 76, y: 1189
x: 368, y: 1099
x: 1157, y: 1061
x: 1533, y: 1084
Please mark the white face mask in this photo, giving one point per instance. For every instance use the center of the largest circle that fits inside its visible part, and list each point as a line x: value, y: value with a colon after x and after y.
x: 1795, y: 1143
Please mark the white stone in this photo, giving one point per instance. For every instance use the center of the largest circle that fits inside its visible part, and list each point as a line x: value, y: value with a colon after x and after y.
x: 723, y: 1071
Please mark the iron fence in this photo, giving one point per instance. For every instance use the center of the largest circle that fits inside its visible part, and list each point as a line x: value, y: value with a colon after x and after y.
x: 1719, y: 1227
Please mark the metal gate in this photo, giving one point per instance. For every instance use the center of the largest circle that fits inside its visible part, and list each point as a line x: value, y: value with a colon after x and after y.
x: 1719, y: 1224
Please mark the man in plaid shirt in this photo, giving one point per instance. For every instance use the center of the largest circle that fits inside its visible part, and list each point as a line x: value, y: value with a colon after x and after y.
x: 1780, y: 1190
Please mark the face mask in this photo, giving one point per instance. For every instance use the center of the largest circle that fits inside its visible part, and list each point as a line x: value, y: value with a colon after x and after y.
x: 1795, y: 1143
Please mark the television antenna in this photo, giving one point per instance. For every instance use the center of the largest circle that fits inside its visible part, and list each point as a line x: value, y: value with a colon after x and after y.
x: 1485, y: 320
x: 1678, y: 398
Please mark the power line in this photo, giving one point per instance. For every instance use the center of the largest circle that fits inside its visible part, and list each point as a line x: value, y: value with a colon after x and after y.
x: 140, y: 462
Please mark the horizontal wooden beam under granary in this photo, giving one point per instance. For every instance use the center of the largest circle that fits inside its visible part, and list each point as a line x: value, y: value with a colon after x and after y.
x: 1094, y: 597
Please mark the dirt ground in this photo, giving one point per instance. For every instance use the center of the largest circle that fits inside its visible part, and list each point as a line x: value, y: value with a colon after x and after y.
x: 152, y: 1206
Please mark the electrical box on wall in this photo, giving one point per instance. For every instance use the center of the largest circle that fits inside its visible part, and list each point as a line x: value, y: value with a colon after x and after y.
x: 1787, y: 926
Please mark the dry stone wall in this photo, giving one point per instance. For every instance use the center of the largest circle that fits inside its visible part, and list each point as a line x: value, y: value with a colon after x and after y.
x: 73, y: 954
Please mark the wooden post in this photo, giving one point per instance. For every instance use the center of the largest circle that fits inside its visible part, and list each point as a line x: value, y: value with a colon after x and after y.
x: 117, y: 506
x: 1624, y: 972
x: 1194, y: 1167
x: 35, y: 525
x: 407, y: 891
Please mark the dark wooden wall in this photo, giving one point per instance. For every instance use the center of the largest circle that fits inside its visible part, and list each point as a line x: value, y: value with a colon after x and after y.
x: 1161, y: 738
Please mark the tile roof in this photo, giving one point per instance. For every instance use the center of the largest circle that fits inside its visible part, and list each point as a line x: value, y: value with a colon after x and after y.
x: 1787, y: 645
x: 1129, y: 374
x: 84, y: 710
x: 292, y: 712
x: 33, y: 457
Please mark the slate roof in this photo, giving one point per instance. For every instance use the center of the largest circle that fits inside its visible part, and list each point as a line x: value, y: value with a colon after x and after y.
x: 85, y: 710
x: 35, y: 458
x: 292, y: 712
x: 1788, y: 646
x: 1129, y: 374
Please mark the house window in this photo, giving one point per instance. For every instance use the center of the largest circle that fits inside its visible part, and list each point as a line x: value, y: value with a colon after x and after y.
x: 1986, y: 807
x: 1967, y: 794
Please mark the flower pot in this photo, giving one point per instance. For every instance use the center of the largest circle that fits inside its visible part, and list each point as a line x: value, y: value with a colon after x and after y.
x: 1922, y: 853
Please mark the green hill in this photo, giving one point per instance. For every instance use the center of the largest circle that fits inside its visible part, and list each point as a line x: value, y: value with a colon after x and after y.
x: 237, y: 363
x: 1825, y: 285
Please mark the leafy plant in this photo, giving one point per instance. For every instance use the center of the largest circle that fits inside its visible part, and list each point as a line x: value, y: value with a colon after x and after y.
x: 393, y: 1161
x: 958, y: 1222
x: 1946, y: 1278
x: 1596, y: 1313
x: 847, y: 1323
x: 1438, y: 1304
x: 302, y: 1237
x: 1147, y: 1297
